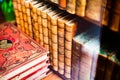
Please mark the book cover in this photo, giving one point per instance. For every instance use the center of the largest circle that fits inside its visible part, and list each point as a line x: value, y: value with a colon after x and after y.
x: 23, y: 53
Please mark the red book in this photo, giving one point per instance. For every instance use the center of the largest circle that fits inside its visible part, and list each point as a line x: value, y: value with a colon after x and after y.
x: 18, y: 51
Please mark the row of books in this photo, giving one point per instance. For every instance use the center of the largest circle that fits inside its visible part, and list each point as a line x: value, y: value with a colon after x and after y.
x: 23, y: 59
x: 83, y: 8
x: 106, y: 12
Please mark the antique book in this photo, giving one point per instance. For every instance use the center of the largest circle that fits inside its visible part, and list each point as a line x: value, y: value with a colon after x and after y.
x: 116, y: 70
x: 30, y: 70
x: 109, y: 67
x: 27, y: 17
x: 81, y: 44
x: 54, y: 38
x: 35, y: 20
x: 80, y: 8
x: 105, y: 13
x: 39, y: 17
x: 62, y: 4
x: 23, y: 53
x: 71, y: 5
x: 49, y: 15
x: 93, y: 9
x: 61, y: 34
x: 115, y: 19
x: 87, y: 65
x: 70, y: 32
x: 37, y: 73
x: 45, y: 26
x: 101, y: 65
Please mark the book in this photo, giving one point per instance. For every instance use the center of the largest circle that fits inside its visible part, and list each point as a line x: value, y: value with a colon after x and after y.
x: 93, y: 10
x: 115, y: 19
x: 80, y: 8
x: 87, y: 65
x: 23, y: 53
x: 36, y: 74
x: 61, y: 34
x: 116, y: 69
x: 39, y: 12
x: 81, y: 41
x: 35, y: 20
x: 70, y: 31
x: 45, y: 27
x: 105, y: 12
x: 71, y: 5
x: 30, y: 70
x: 54, y: 38
x: 101, y: 65
x: 62, y: 4
x: 49, y: 15
x: 27, y: 16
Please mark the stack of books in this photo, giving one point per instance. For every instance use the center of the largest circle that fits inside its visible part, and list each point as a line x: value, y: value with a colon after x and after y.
x: 21, y: 58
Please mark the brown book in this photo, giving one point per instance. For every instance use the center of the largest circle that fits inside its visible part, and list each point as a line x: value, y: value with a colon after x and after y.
x: 45, y: 27
x: 93, y: 9
x: 49, y: 15
x: 35, y: 20
x: 115, y: 17
x: 80, y: 7
x: 109, y: 67
x: 61, y: 34
x: 70, y: 32
x: 105, y: 12
x: 71, y: 5
x: 39, y: 17
x: 116, y: 70
x: 62, y: 4
x: 101, y: 65
x: 54, y: 37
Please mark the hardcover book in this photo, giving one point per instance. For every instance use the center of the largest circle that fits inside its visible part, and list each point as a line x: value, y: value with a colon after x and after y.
x: 19, y: 52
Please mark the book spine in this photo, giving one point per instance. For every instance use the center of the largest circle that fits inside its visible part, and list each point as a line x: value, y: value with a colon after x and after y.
x: 62, y: 4
x: 75, y: 60
x: 105, y: 13
x: 109, y: 68
x: 61, y: 46
x: 115, y: 19
x: 39, y: 13
x: 93, y: 9
x: 27, y: 17
x: 101, y: 66
x: 80, y: 7
x: 61, y: 41
x: 54, y: 38
x: 45, y: 27
x: 70, y: 30
x: 49, y: 15
x: 71, y: 5
x: 116, y: 71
